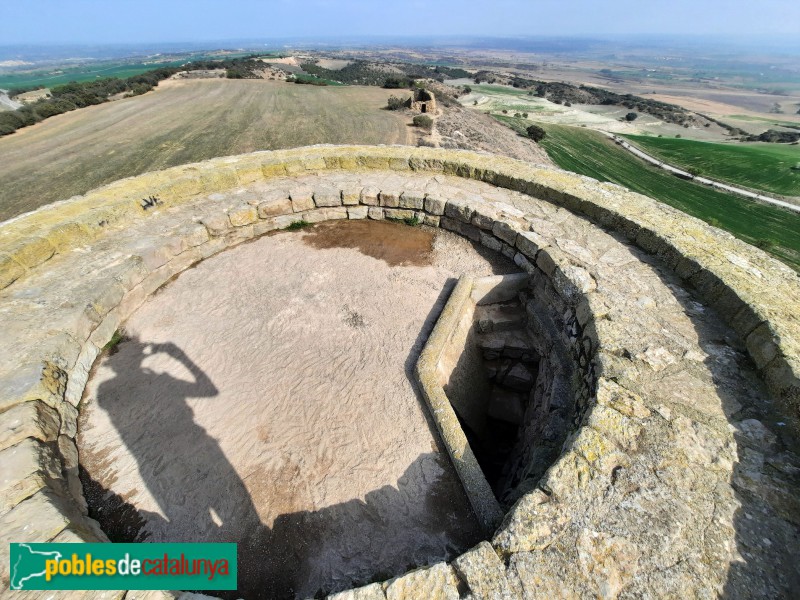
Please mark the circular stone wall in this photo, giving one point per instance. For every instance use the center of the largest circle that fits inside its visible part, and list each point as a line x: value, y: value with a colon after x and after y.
x: 677, y: 471
x: 266, y: 397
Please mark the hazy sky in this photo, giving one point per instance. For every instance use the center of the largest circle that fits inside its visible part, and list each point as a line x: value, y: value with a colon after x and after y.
x: 130, y: 21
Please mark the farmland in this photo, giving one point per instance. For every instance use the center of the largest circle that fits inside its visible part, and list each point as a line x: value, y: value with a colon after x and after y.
x: 764, y: 167
x: 93, y: 70
x: 183, y: 122
x: 590, y: 153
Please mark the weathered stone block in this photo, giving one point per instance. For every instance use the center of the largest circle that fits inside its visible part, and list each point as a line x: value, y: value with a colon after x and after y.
x: 761, y: 345
x: 412, y: 199
x: 193, y: 235
x: 398, y: 213
x: 33, y: 252
x: 327, y: 197
x: 357, y: 212
x: 529, y: 243
x: 275, y: 207
x: 243, y: 215
x: 70, y: 464
x: 490, y: 241
x: 375, y: 213
x: 302, y: 199
x: 572, y: 283
x: 548, y: 259
x: 217, y: 224
x: 523, y: 263
x: 26, y: 468
x: 369, y: 196
x: 33, y: 381
x: 372, y: 591
x: 505, y: 231
x: 351, y: 195
x: 339, y: 212
x: 438, y: 582
x: 37, y: 519
x: 434, y: 206
x: 389, y: 199
x: 29, y: 420
x: 484, y: 216
x: 314, y: 216
x: 460, y: 210
x: 485, y: 574
x: 431, y: 220
x: 10, y: 270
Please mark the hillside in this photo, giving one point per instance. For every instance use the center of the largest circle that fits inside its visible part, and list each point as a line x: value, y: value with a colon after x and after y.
x: 591, y: 153
x: 183, y: 122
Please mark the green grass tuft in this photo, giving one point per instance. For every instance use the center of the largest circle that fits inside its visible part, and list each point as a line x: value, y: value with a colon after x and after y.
x: 297, y: 225
x: 118, y: 337
x: 410, y: 221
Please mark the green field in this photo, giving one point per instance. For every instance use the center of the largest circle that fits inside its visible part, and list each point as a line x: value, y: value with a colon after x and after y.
x: 762, y: 166
x: 590, y: 153
x: 92, y: 71
x: 182, y: 122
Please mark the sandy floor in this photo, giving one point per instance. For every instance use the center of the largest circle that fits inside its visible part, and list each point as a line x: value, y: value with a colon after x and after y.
x: 265, y: 397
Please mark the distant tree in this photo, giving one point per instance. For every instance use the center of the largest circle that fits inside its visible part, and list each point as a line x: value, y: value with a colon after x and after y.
x: 631, y: 116
x: 678, y: 135
x: 474, y: 103
x: 423, y: 121
x: 524, y: 115
x: 536, y: 133
x: 505, y: 112
x: 567, y: 103
x: 467, y: 89
x: 517, y: 115
x: 395, y: 83
x: 541, y: 91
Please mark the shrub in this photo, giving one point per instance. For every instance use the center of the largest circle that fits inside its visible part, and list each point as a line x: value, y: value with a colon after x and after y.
x: 765, y: 245
x: 395, y: 103
x: 396, y: 83
x: 631, y: 116
x: 536, y: 133
x: 423, y: 121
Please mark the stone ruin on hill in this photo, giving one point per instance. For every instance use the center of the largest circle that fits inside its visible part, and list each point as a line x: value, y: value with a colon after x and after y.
x: 423, y: 101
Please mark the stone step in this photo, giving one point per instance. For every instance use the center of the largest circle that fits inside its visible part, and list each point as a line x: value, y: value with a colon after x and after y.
x: 506, y: 344
x: 507, y: 316
x: 519, y: 377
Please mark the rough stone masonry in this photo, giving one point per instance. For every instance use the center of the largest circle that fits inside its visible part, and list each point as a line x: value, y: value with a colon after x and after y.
x: 673, y: 345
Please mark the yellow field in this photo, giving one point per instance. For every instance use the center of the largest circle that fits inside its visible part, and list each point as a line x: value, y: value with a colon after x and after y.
x: 183, y: 122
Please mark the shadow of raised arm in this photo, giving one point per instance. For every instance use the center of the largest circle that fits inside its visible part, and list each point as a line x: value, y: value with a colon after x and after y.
x: 202, y: 386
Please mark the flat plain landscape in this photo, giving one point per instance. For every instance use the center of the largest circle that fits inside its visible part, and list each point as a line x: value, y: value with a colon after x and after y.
x: 183, y: 122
